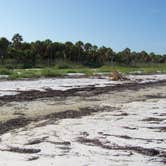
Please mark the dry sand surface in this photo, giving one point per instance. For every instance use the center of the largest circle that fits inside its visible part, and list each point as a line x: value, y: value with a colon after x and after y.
x: 124, y: 125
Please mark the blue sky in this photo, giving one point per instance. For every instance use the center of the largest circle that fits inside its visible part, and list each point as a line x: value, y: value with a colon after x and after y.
x: 137, y: 24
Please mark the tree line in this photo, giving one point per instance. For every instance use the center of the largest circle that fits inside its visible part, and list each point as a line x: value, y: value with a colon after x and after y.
x: 17, y: 52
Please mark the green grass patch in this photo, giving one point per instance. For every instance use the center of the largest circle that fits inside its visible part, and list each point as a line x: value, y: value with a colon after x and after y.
x: 4, y: 71
x: 141, y: 68
x: 60, y: 72
x: 52, y: 73
x: 48, y: 72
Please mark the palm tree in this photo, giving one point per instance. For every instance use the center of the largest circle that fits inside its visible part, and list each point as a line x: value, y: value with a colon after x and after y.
x: 80, y: 46
x: 17, y: 39
x: 4, y: 44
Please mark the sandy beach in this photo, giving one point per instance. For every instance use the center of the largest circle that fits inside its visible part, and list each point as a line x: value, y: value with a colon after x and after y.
x: 104, y: 124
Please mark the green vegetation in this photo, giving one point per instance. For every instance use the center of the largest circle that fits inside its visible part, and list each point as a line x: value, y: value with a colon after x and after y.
x: 20, y: 59
x: 140, y: 69
x: 60, y: 72
x: 4, y: 71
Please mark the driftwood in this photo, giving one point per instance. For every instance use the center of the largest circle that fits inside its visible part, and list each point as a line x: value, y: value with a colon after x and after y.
x: 115, y: 76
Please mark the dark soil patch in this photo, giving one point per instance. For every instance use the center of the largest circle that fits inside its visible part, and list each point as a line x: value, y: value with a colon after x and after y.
x: 22, y: 121
x: 13, y: 124
x: 76, y: 114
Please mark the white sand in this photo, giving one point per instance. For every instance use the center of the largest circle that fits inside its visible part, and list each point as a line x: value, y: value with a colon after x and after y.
x: 132, y: 103
x: 79, y: 154
x: 13, y: 87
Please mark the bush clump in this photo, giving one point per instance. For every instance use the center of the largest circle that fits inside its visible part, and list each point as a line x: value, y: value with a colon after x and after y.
x: 4, y: 71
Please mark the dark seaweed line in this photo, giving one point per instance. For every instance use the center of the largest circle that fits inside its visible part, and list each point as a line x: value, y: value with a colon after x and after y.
x: 22, y: 121
x: 86, y: 91
x: 137, y: 149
